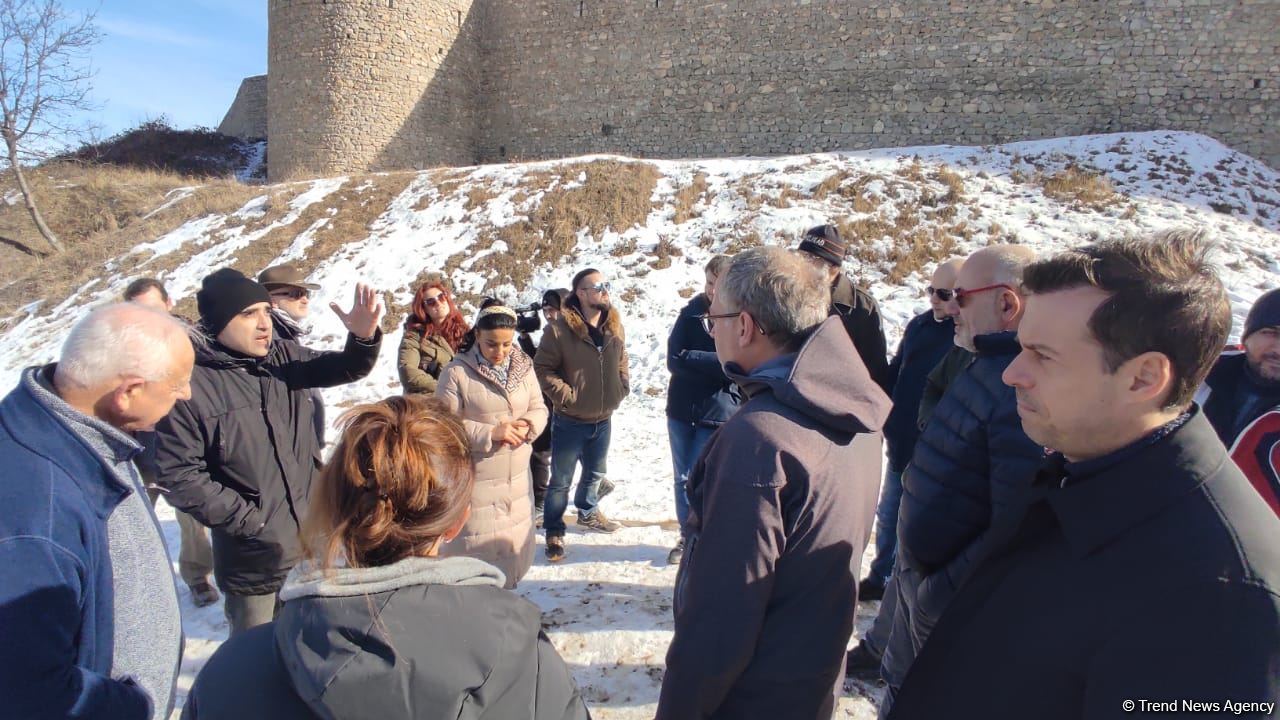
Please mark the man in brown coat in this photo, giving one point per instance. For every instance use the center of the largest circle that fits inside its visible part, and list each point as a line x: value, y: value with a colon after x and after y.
x: 780, y: 505
x: 582, y: 366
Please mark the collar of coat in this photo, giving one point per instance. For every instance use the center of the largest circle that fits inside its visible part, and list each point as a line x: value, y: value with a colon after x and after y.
x: 997, y: 343
x: 520, y: 368
x: 1095, y: 510
x: 572, y: 318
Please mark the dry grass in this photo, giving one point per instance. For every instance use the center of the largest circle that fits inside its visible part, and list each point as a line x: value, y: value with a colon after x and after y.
x: 663, y: 252
x: 919, y: 249
x: 1080, y: 188
x: 688, y: 196
x: 100, y: 212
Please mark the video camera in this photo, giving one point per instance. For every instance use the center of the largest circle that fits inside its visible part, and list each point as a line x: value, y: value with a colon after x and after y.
x: 529, y: 319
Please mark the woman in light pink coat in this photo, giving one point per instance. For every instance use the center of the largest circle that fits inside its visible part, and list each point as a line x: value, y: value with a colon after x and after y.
x: 492, y: 387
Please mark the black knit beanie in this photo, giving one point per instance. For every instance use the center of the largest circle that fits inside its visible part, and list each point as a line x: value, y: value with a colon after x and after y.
x: 1265, y: 313
x: 224, y: 294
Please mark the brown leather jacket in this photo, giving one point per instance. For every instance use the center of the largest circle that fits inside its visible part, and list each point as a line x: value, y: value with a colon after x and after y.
x: 585, y: 383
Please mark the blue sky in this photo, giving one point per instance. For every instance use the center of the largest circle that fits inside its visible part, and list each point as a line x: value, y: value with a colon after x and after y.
x: 180, y: 58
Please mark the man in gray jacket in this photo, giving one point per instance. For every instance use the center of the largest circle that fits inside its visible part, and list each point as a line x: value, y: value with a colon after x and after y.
x: 780, y: 505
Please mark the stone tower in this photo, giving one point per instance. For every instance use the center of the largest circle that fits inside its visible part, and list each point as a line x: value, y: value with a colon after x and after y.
x: 361, y: 85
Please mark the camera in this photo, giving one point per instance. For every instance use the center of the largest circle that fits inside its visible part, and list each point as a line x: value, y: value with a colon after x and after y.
x: 529, y: 319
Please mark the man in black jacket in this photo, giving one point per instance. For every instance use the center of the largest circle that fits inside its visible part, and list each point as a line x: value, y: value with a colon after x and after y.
x: 240, y: 454
x: 970, y: 463
x: 858, y: 311
x: 926, y: 340
x: 1241, y: 398
x: 290, y: 307
x: 1143, y: 575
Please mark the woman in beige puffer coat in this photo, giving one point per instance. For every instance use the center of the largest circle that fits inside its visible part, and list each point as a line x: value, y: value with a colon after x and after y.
x: 491, y: 385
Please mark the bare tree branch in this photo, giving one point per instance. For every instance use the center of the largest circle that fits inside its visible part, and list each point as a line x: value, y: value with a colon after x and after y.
x: 44, y: 82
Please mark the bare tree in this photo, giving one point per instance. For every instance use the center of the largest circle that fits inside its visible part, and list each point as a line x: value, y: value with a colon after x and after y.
x: 44, y: 83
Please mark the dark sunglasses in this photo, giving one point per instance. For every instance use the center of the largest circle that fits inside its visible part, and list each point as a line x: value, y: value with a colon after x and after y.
x: 292, y: 293
x: 962, y: 295
x: 433, y: 301
x: 943, y: 294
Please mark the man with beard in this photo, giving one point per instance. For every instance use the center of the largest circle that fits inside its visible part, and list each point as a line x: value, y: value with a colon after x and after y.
x: 582, y: 366
x: 1241, y: 398
x: 240, y: 454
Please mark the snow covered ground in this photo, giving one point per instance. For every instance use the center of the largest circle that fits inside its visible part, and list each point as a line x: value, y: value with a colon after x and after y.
x: 608, y: 606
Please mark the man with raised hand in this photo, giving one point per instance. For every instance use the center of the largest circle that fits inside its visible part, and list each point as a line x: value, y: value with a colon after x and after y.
x: 241, y: 453
x: 89, y: 623
x: 780, y: 505
x: 1142, y: 575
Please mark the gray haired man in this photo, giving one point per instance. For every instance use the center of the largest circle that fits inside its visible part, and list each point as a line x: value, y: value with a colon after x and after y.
x: 89, y: 623
x: 780, y: 504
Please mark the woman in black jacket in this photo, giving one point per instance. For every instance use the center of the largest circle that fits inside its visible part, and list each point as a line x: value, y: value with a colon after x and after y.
x: 700, y: 398
x: 374, y: 623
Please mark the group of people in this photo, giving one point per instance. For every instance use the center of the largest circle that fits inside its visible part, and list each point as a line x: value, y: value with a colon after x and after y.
x: 1078, y: 513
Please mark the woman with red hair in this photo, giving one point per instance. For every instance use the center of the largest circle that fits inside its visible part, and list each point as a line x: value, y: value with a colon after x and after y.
x: 432, y: 334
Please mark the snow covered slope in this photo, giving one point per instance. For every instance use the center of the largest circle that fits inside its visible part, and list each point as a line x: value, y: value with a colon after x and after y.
x: 607, y: 606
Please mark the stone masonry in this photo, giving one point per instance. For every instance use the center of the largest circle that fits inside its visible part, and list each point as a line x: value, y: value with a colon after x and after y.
x: 247, y: 118
x: 380, y: 84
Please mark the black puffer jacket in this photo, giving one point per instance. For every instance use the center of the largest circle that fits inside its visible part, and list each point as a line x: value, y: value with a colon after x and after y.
x: 972, y: 464
x: 699, y: 391
x: 240, y: 454
x: 860, y: 314
x: 421, y: 638
x: 924, y: 343
x: 286, y: 329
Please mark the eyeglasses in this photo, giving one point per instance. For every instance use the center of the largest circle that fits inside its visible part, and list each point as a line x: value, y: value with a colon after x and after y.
x: 962, y: 295
x: 603, y: 287
x: 292, y: 293
x: 433, y: 301
x: 708, y: 320
x: 943, y: 294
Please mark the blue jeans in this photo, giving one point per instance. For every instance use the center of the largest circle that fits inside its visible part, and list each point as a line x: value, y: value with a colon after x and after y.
x: 887, y: 527
x: 573, y: 442
x: 687, y: 442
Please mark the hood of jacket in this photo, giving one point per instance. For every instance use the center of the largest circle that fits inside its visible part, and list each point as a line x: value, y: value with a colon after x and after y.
x: 827, y: 382
x: 572, y: 317
x: 345, y: 641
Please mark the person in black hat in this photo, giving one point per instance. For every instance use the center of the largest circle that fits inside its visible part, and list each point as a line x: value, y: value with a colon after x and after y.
x: 240, y: 454
x: 540, y: 461
x: 1241, y: 397
x: 859, y: 312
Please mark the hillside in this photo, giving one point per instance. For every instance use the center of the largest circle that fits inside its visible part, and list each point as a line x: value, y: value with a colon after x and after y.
x: 649, y: 226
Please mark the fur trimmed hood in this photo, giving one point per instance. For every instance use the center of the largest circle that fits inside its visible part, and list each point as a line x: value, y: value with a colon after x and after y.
x: 573, y: 318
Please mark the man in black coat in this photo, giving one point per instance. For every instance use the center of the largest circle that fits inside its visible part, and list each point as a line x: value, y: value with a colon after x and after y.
x: 1144, y: 574
x: 858, y: 311
x: 1241, y: 398
x: 925, y: 342
x: 970, y: 463
x: 290, y: 307
x: 240, y: 454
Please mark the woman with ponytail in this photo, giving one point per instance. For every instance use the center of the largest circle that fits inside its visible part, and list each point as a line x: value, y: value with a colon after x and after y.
x: 376, y: 622
x: 492, y: 387
x: 432, y: 333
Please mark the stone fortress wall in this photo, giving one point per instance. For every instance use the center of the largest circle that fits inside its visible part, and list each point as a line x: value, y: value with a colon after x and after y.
x: 379, y: 84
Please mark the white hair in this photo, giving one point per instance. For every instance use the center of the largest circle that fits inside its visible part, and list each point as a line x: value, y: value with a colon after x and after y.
x: 785, y: 293
x: 118, y: 341
x: 1008, y: 262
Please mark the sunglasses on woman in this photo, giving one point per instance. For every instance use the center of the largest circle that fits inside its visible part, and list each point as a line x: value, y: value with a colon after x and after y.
x: 962, y: 295
x: 432, y: 301
x: 943, y: 294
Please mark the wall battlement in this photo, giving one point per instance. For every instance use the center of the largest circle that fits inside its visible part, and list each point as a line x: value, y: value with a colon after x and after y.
x: 379, y: 84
